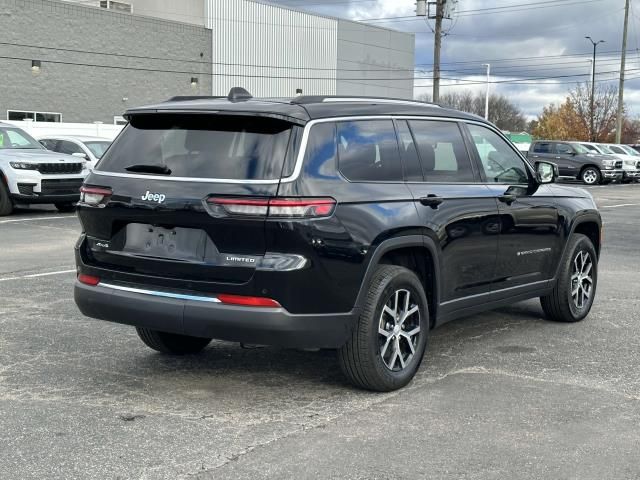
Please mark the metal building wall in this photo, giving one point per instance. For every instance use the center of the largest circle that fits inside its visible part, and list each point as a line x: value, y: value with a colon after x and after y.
x: 374, y: 61
x: 249, y: 51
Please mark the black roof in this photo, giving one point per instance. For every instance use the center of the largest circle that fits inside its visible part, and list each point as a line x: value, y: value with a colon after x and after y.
x: 302, y: 109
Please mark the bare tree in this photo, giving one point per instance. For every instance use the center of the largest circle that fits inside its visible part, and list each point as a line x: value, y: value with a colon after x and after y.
x: 502, y: 112
x: 604, y: 109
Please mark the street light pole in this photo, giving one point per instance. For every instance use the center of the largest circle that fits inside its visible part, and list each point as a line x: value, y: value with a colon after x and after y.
x: 593, y: 87
x: 486, y: 100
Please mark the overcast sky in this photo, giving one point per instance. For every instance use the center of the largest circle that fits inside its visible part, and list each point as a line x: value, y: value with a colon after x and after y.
x: 551, y: 31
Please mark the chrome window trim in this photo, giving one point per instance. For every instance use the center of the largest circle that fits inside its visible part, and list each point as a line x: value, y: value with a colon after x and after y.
x: 184, y: 179
x: 157, y: 293
x: 303, y: 148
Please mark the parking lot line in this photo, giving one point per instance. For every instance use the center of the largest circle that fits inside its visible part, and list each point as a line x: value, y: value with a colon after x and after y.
x: 621, y: 205
x: 33, y: 219
x: 36, y: 275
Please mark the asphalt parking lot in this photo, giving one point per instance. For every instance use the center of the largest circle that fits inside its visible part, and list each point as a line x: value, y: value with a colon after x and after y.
x: 500, y: 395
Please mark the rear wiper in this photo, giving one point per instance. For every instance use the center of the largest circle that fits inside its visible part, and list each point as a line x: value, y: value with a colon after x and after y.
x: 158, y: 169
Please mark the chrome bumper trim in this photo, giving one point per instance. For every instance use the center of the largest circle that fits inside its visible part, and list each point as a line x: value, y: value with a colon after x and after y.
x: 157, y: 293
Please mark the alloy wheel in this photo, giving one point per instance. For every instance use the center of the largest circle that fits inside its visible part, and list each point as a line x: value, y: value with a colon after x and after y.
x: 399, y: 330
x: 581, y: 279
x: 590, y: 176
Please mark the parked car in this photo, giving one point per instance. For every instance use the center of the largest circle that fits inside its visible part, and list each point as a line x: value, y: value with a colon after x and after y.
x: 355, y: 224
x: 630, y: 159
x: 576, y: 161
x: 629, y: 163
x: 635, y: 146
x: 91, y: 148
x: 31, y: 174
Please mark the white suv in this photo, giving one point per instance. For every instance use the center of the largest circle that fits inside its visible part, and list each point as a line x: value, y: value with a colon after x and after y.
x: 29, y: 173
x: 89, y: 148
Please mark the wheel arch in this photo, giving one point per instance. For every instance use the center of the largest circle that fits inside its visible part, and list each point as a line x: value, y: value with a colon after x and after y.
x: 592, y: 229
x: 588, y: 224
x: 419, y: 254
x: 588, y: 165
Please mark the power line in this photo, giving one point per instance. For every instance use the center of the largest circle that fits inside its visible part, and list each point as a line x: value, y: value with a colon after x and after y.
x: 280, y: 67
x: 217, y: 74
x: 483, y: 11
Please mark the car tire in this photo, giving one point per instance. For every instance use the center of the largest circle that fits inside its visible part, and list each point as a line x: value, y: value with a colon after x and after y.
x: 171, y: 343
x: 591, y: 176
x: 386, y: 346
x: 65, y: 207
x: 577, y: 279
x: 6, y: 205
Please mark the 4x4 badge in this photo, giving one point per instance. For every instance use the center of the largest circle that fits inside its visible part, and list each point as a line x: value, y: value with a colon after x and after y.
x: 153, y: 197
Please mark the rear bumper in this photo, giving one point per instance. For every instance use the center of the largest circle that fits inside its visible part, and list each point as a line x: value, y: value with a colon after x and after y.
x: 202, y: 318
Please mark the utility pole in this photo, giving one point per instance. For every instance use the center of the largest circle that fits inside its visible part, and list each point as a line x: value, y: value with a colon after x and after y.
x: 444, y: 8
x: 592, y: 133
x: 622, y: 66
x: 437, y: 44
x: 486, y: 100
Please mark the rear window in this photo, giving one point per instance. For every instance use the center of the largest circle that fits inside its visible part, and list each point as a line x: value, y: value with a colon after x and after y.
x: 201, y: 146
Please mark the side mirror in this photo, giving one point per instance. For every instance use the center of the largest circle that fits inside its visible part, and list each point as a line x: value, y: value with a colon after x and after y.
x: 80, y: 155
x: 546, y: 172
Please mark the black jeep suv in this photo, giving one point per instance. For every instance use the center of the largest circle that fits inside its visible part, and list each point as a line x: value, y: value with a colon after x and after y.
x: 355, y: 224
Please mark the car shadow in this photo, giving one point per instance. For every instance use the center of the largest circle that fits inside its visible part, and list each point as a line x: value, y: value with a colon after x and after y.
x: 273, y: 366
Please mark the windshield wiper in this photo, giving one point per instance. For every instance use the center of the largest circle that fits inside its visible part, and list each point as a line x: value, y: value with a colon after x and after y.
x: 157, y: 169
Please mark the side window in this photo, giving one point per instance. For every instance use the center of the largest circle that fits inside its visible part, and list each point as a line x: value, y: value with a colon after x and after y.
x: 542, y: 148
x: 564, y: 149
x: 368, y: 151
x: 442, y: 151
x: 320, y: 154
x: 500, y: 163
x: 48, y: 144
x: 67, y: 147
x: 408, y: 153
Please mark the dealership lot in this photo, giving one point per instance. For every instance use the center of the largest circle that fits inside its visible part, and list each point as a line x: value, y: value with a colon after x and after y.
x: 504, y: 394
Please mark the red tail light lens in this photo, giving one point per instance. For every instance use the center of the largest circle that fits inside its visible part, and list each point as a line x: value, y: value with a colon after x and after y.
x: 247, y: 301
x: 94, y: 196
x: 273, y: 208
x: 88, y: 279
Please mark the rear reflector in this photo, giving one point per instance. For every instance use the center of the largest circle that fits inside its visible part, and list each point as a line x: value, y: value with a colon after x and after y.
x: 273, y: 208
x: 94, y: 195
x: 88, y: 279
x: 247, y: 301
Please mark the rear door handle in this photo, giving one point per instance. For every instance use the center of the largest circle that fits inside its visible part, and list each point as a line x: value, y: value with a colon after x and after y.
x: 507, y: 198
x: 431, y: 200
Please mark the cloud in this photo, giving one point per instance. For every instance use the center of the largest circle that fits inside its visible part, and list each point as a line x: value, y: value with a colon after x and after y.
x: 526, y: 45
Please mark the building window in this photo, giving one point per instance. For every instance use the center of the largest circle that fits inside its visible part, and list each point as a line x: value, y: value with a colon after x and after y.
x: 118, y: 6
x: 34, y: 116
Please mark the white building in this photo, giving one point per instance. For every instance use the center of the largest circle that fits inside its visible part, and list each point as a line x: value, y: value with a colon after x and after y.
x: 273, y: 50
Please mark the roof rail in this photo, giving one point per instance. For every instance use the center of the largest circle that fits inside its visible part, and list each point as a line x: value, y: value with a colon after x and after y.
x: 378, y: 100
x: 184, y: 98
